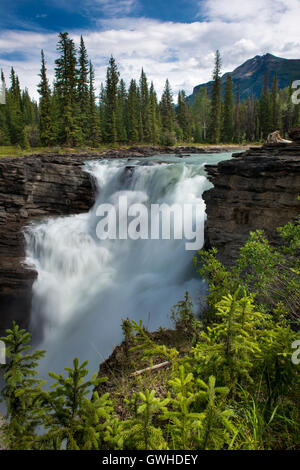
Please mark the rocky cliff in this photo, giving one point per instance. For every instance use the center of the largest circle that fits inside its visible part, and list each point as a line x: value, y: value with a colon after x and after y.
x: 40, y: 186
x: 31, y: 188
x: 256, y: 190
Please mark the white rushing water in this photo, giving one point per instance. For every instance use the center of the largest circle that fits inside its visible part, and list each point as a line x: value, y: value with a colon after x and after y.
x: 85, y: 286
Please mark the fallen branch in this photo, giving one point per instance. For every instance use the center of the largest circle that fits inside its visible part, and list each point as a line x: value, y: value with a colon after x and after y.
x: 157, y: 366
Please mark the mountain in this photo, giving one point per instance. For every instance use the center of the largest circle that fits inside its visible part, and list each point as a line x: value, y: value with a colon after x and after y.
x: 251, y: 75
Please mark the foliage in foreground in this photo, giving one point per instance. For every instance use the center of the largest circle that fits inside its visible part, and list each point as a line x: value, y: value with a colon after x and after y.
x: 233, y: 386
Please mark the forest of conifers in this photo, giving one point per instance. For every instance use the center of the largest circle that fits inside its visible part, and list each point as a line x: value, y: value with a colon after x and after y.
x: 73, y: 113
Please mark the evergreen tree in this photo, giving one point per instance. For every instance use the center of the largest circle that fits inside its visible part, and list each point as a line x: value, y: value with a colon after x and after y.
x: 167, y: 111
x: 251, y: 119
x: 47, y: 135
x: 111, y: 102
x: 93, y: 120
x: 122, y: 112
x: 275, y: 105
x: 287, y: 110
x: 265, y: 109
x: 201, y: 114
x: 29, y: 109
x: 154, y: 122
x: 133, y: 112
x: 66, y: 76
x: 102, y: 101
x: 145, y: 107
x: 237, y: 115
x: 15, y: 118
x: 83, y: 91
x: 22, y: 389
x: 184, y: 116
x: 215, y: 119
x: 228, y: 116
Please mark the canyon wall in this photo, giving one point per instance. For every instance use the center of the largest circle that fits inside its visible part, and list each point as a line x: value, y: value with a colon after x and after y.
x: 32, y: 188
x: 256, y: 190
x: 40, y: 186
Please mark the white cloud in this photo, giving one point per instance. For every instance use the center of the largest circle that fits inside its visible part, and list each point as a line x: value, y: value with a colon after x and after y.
x: 113, y: 7
x: 183, y: 52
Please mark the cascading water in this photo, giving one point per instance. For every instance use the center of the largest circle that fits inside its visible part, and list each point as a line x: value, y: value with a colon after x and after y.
x: 85, y: 286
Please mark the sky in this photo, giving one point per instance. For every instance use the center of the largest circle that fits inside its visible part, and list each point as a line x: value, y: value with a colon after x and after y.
x: 174, y: 39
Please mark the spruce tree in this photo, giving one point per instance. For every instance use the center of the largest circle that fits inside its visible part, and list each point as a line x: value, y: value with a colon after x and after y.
x: 237, y: 115
x: 154, y: 122
x: 102, y: 101
x: 228, y: 116
x: 66, y: 76
x: 47, y: 135
x: 167, y: 111
x: 265, y: 109
x: 201, y: 114
x: 133, y: 112
x: 275, y: 105
x: 93, y: 122
x: 145, y: 107
x: 15, y: 118
x: 111, y: 101
x: 184, y: 116
x: 215, y: 118
x: 122, y: 112
x: 251, y: 119
x: 83, y: 89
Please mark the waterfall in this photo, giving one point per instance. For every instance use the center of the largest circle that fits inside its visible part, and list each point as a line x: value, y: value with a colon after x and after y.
x: 85, y: 286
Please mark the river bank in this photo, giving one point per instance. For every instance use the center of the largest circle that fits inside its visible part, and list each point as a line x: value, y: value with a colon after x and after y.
x: 6, y: 151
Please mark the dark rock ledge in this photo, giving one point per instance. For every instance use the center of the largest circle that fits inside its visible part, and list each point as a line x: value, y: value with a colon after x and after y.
x: 256, y: 190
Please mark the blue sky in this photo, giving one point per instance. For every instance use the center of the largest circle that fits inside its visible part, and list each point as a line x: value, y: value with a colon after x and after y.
x: 170, y: 39
x: 69, y: 15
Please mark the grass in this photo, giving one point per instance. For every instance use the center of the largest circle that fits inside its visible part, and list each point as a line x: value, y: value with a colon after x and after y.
x: 118, y: 368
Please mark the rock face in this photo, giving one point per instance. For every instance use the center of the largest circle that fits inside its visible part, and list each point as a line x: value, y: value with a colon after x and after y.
x: 31, y: 188
x: 256, y: 190
x: 39, y: 186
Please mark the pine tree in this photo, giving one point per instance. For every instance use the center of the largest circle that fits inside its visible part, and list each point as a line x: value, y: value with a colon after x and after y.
x: 83, y: 89
x: 122, y: 112
x: 93, y: 122
x: 167, y: 114
x: 237, y: 115
x: 145, y: 107
x: 133, y: 112
x: 184, y: 116
x: 102, y: 101
x: 111, y: 102
x: 265, y: 109
x: 154, y: 123
x: 201, y: 114
x: 29, y: 109
x: 22, y: 390
x: 66, y: 76
x: 251, y: 119
x: 228, y: 116
x: 215, y: 119
x: 15, y: 118
x: 275, y: 105
x: 71, y: 416
x: 47, y: 135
